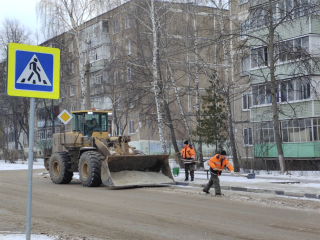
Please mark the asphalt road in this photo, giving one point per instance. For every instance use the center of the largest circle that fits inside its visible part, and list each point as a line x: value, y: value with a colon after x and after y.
x: 75, y: 212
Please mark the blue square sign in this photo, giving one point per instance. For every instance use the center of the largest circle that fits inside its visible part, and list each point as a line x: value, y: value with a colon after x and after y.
x: 34, y: 71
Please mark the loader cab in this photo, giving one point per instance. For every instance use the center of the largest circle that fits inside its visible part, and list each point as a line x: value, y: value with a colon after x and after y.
x: 90, y: 123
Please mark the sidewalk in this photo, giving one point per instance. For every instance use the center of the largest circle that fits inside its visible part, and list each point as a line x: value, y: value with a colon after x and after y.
x: 294, y: 186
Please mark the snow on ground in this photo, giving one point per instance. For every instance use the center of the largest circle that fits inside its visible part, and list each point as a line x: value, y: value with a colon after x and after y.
x: 20, y: 165
x: 19, y: 236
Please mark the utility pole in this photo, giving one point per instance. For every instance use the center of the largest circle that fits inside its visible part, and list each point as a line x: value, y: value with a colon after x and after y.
x: 88, y: 78
x: 52, y: 119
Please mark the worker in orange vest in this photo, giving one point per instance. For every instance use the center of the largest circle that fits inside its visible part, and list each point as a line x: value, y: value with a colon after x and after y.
x: 217, y: 163
x: 188, y: 154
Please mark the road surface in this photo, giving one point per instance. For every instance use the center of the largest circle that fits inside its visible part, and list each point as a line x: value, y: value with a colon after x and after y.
x: 75, y: 212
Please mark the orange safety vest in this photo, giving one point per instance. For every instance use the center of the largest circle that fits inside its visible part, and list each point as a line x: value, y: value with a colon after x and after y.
x: 188, y: 152
x: 217, y: 162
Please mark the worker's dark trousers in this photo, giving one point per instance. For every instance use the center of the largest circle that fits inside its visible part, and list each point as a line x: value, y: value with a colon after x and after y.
x: 189, y: 167
x: 214, y: 180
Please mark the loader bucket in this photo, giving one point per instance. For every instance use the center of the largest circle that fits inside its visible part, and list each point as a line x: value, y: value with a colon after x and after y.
x: 136, y: 170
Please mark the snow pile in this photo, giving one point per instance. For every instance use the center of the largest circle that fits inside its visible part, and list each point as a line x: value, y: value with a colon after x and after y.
x: 129, y: 178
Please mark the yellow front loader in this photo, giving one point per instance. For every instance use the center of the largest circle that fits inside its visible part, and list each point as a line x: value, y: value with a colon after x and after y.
x: 99, y: 158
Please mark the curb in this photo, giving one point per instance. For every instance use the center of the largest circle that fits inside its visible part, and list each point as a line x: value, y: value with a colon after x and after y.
x: 258, y: 190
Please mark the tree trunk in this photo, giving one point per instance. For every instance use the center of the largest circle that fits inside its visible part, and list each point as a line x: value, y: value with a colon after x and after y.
x: 180, y: 108
x: 275, y: 114
x: 227, y: 90
x: 155, y: 77
x: 196, y: 52
x: 167, y: 112
x: 81, y: 74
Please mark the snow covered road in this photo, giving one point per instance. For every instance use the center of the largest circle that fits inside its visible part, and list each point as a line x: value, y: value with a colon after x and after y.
x: 75, y: 212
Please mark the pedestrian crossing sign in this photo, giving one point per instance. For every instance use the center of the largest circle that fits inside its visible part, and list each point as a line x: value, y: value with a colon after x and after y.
x: 33, y: 71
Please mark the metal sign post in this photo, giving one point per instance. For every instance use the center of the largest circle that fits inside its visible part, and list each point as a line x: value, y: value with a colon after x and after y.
x: 30, y: 167
x: 32, y: 72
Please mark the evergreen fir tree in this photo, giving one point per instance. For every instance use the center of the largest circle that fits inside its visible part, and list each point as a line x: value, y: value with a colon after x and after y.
x: 213, y: 126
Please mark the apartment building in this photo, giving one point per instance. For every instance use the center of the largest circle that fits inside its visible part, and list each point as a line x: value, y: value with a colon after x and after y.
x: 295, y: 32
x: 116, y: 57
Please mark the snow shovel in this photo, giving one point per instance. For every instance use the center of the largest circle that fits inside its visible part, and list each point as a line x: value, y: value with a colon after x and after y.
x: 249, y: 176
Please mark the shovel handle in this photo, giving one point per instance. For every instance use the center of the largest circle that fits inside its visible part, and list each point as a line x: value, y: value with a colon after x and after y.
x: 235, y: 173
x: 188, y: 160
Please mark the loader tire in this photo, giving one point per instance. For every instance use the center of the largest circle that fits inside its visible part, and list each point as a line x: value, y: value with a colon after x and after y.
x: 90, y: 169
x: 59, y: 168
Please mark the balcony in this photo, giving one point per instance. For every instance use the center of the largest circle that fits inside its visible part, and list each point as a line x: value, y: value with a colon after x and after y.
x: 290, y: 150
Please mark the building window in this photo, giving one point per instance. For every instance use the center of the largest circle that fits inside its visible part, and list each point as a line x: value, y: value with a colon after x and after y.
x: 247, y: 136
x: 115, y: 52
x: 258, y: 18
x: 259, y: 95
x: 128, y: 47
x: 119, y: 130
x: 291, y: 50
x: 11, y: 137
x: 131, y: 127
x: 244, y: 27
x: 245, y: 66
x: 316, y: 129
x: 71, y: 90
x: 129, y: 74
x: 303, y: 89
x: 72, y: 107
x: 49, y: 133
x: 71, y: 46
x: 115, y: 26
x: 117, y: 103
x: 41, y: 134
x: 301, y: 8
x: 127, y: 22
x: 259, y: 57
x: 298, y: 130
x: 116, y: 77
x: 71, y: 68
x: 287, y: 91
x: 246, y: 101
x: 265, y: 133
x: 283, y: 10
x: 105, y: 26
x: 242, y: 1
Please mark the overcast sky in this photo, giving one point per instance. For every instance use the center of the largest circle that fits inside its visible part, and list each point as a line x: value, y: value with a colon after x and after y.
x: 23, y: 10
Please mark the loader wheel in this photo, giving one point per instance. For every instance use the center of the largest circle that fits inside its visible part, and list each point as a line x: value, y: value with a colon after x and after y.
x: 59, y: 168
x: 90, y: 169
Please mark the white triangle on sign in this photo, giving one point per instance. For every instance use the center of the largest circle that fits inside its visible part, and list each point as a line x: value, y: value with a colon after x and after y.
x: 34, y: 73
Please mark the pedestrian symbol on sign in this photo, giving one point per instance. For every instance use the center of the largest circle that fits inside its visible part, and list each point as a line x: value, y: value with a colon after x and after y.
x: 34, y: 74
